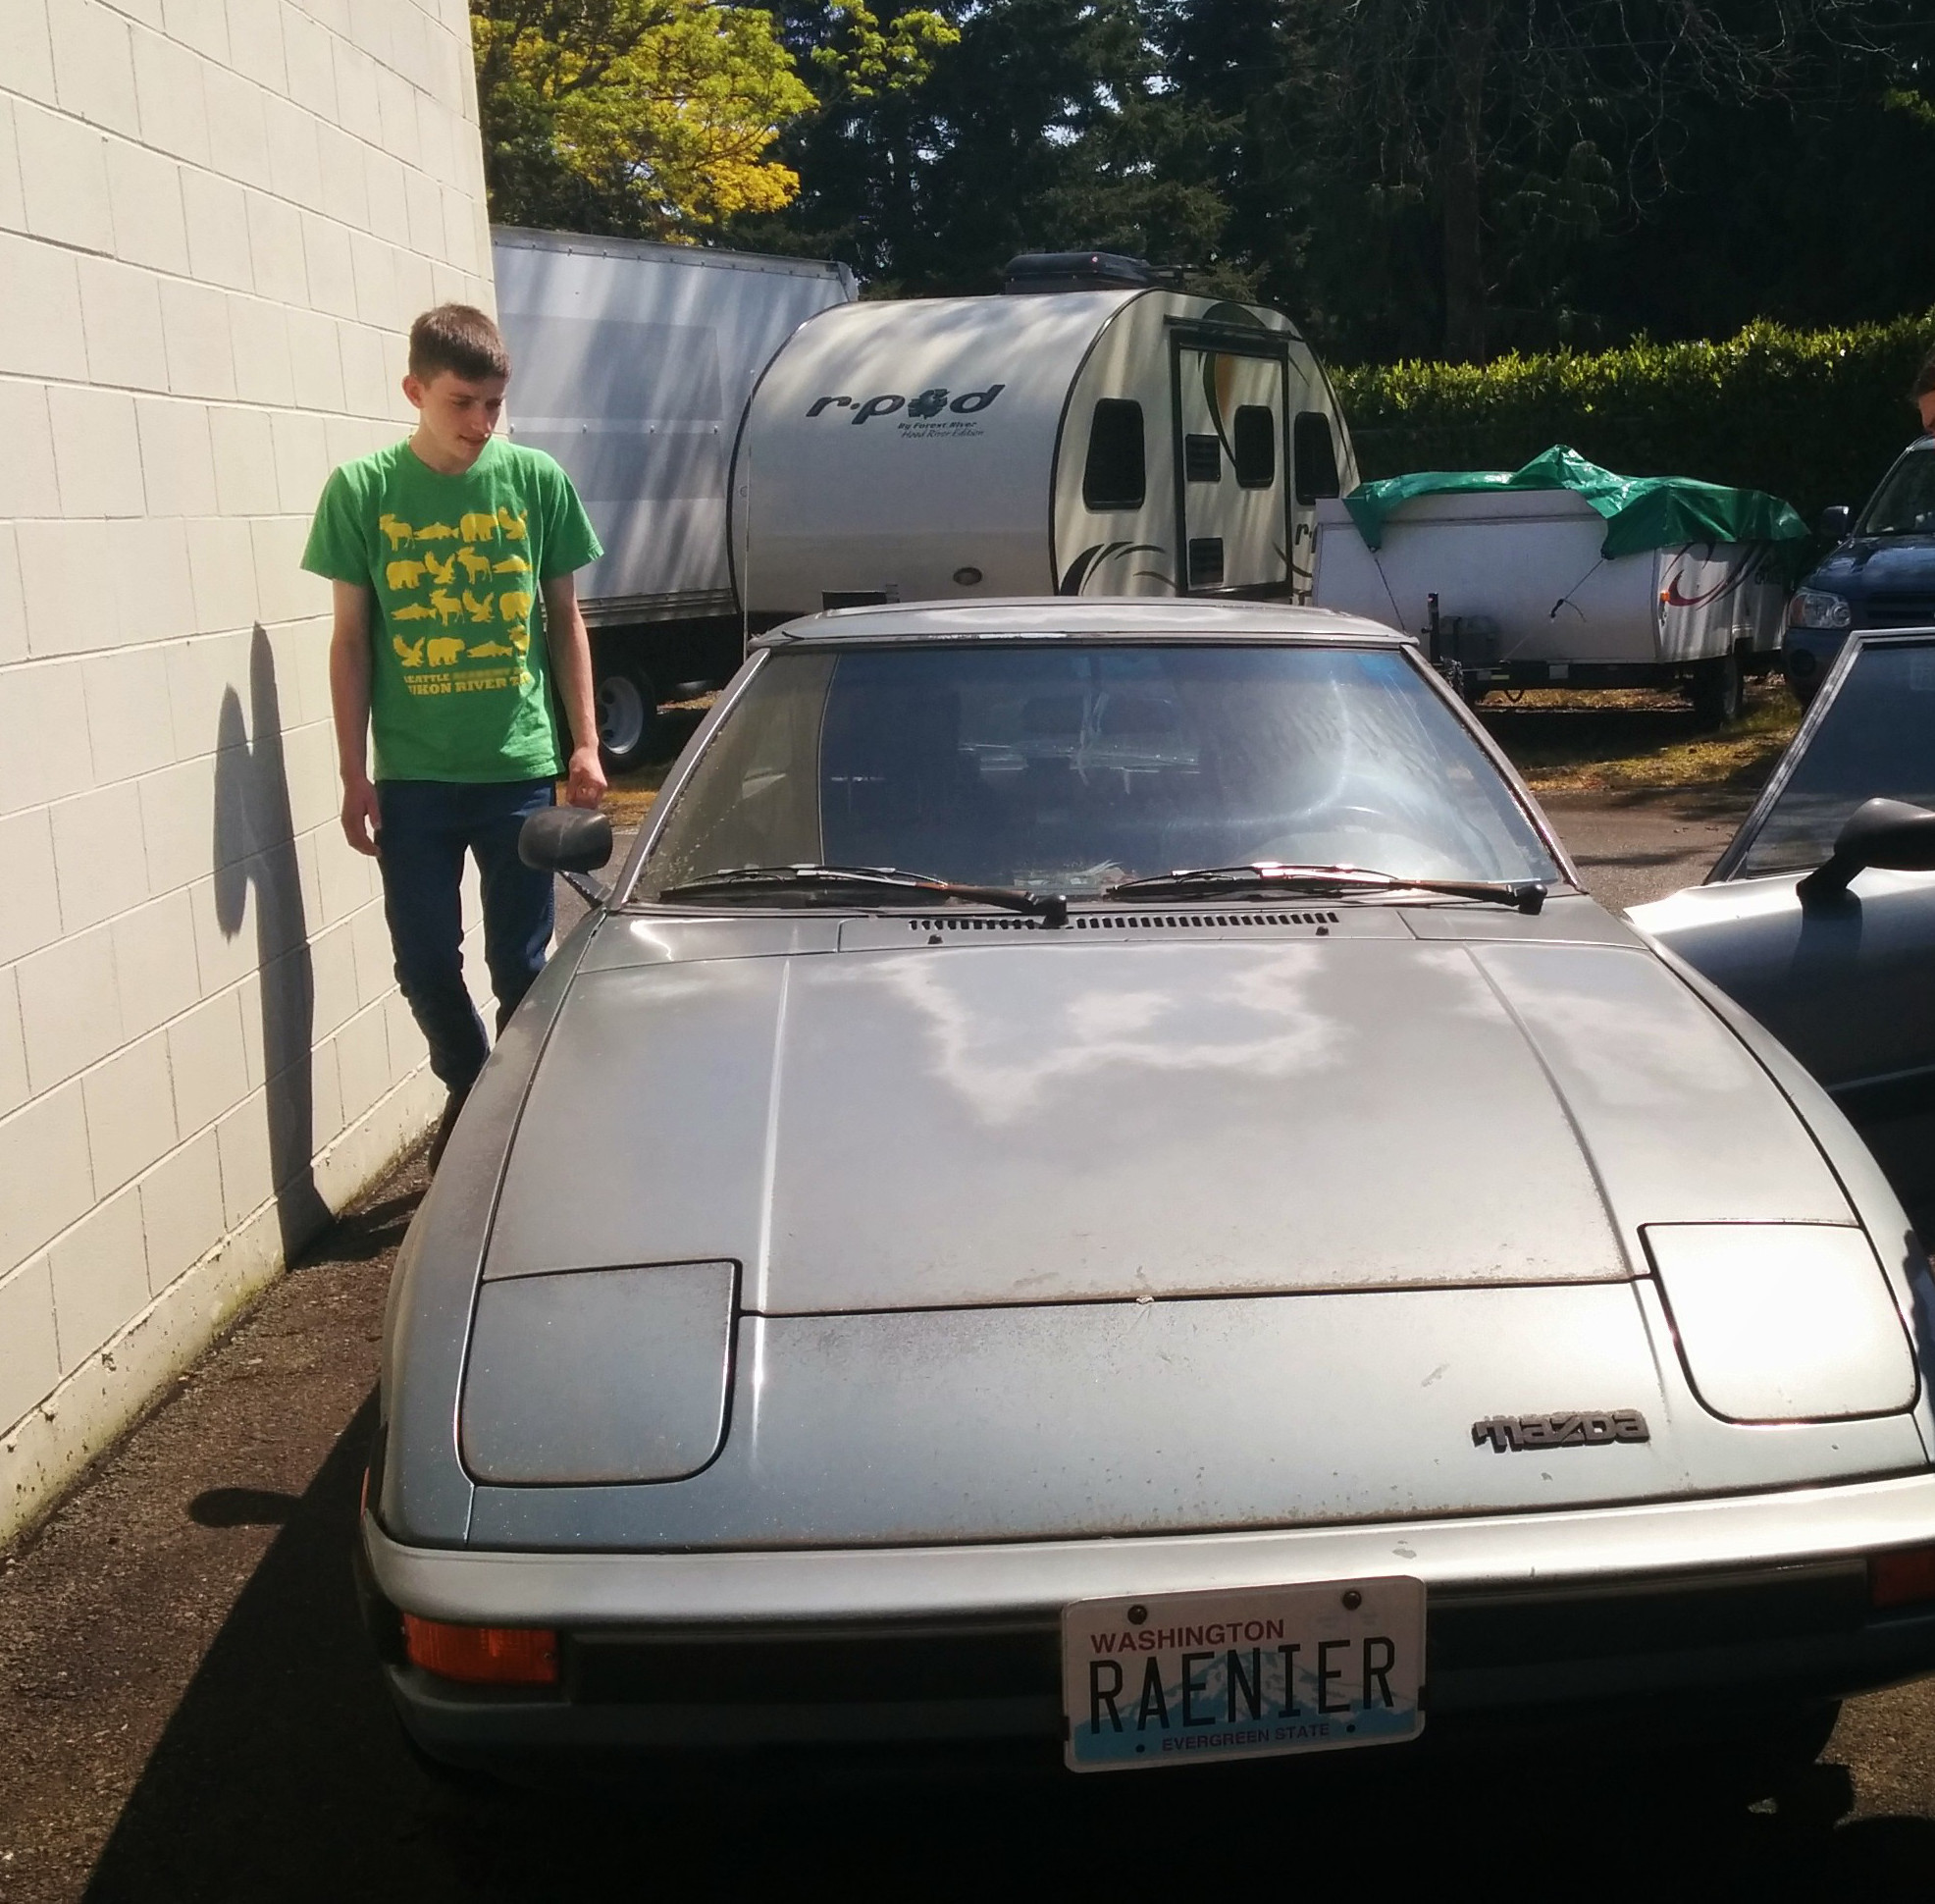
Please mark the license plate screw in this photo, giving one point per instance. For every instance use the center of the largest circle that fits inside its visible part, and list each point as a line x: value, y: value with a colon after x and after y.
x: 1137, y: 1613
x: 1352, y: 1600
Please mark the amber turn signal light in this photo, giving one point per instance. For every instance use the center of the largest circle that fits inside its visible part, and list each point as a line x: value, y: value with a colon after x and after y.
x: 483, y: 1656
x: 1902, y: 1578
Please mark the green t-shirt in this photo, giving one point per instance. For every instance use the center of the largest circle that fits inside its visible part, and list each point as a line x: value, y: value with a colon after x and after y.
x: 459, y: 666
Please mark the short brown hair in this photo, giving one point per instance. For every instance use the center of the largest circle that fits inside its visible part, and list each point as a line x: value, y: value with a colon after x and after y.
x: 1925, y: 379
x: 458, y: 338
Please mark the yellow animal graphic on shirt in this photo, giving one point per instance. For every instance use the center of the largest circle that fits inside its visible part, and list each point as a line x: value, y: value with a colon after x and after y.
x: 402, y: 575
x: 520, y: 637
x: 409, y: 653
x: 412, y: 612
x: 513, y: 524
x: 479, y: 527
x: 445, y: 572
x: 514, y: 603
x: 445, y: 606
x: 395, y: 528
x: 511, y: 565
x: 489, y: 651
x: 437, y: 532
x: 475, y: 566
x: 483, y: 611
x: 444, y: 651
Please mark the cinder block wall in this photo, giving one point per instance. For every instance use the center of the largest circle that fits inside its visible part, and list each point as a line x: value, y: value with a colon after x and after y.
x: 217, y: 218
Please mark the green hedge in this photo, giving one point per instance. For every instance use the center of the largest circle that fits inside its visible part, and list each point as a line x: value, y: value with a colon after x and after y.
x: 1815, y: 416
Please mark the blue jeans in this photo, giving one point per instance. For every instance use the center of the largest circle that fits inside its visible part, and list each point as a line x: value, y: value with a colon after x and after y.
x: 427, y: 825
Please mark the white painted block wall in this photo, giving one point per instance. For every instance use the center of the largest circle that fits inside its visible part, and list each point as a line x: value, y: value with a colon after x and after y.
x: 216, y: 219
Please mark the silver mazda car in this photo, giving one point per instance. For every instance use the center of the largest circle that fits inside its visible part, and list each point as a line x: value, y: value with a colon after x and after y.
x: 1095, y: 1184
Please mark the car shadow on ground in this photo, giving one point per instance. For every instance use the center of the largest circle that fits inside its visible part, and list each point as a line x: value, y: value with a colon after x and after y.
x: 281, y: 1774
x: 1723, y: 804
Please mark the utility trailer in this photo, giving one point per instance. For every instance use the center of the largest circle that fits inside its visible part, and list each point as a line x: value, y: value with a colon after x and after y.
x: 1562, y: 574
x: 1090, y: 431
x: 633, y: 363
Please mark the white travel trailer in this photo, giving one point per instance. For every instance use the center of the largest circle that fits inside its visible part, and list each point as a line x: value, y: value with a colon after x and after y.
x: 1087, y: 432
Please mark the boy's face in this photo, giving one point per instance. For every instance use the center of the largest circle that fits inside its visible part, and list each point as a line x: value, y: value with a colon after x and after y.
x: 457, y: 414
x: 1925, y: 403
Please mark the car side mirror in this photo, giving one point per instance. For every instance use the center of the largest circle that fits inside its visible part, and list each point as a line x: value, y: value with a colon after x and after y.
x: 1879, y: 833
x: 566, y: 839
x: 1835, y: 523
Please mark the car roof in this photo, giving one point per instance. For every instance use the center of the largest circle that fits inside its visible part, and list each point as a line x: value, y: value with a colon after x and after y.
x: 1058, y: 615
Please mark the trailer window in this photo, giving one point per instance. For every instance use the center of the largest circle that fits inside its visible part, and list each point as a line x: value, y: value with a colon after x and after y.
x: 1253, y: 446
x: 1116, y: 476
x: 1313, y: 456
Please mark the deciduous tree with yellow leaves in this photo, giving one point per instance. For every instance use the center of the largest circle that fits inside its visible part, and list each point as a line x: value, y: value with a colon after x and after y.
x: 654, y: 118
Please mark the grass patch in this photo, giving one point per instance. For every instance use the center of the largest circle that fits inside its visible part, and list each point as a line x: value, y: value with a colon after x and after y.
x: 1620, y: 739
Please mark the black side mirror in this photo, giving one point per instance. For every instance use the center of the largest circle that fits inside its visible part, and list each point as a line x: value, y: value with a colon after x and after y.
x: 1835, y: 523
x: 1879, y: 833
x: 566, y: 839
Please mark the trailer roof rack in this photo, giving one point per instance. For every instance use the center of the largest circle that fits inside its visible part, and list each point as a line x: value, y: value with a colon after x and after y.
x: 1051, y: 271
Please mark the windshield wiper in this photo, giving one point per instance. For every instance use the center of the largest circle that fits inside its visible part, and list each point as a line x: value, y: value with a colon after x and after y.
x: 831, y: 881
x: 1268, y: 875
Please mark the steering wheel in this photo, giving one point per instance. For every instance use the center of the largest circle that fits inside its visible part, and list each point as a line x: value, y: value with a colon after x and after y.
x: 1331, y: 818
x: 1430, y: 833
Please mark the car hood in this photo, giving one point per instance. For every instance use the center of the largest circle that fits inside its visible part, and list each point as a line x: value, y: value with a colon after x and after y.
x: 1877, y: 563
x: 1047, y: 1118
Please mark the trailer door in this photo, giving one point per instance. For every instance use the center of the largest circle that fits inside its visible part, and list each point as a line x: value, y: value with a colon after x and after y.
x: 1231, y: 471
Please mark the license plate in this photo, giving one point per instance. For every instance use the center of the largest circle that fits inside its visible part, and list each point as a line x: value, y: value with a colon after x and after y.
x: 1180, y: 1679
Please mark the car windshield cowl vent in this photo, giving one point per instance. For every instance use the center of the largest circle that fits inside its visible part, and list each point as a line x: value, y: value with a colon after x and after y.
x: 1139, y: 920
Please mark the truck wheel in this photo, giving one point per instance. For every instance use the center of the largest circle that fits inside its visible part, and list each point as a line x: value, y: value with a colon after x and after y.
x: 627, y: 712
x: 1717, y: 691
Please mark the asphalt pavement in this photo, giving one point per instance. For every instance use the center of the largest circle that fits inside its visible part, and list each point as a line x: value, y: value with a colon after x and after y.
x: 187, y: 1709
x: 1632, y: 847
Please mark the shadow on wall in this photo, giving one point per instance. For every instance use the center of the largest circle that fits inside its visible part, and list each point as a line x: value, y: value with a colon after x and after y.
x: 255, y: 846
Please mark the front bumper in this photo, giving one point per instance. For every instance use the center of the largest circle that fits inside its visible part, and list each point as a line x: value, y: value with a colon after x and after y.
x: 1751, y: 1601
x: 1806, y: 655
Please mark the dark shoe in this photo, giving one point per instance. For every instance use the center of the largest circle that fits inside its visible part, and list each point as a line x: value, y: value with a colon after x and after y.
x: 452, y: 1108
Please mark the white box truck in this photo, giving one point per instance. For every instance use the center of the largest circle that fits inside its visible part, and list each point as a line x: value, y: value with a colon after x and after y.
x: 633, y: 363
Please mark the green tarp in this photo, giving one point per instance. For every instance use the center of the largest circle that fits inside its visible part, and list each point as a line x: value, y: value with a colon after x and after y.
x: 1640, y: 511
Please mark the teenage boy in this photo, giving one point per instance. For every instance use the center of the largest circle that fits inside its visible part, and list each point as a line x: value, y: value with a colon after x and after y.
x: 451, y: 555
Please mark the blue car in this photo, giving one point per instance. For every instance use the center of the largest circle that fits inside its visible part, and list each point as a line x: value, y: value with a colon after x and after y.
x: 1881, y: 573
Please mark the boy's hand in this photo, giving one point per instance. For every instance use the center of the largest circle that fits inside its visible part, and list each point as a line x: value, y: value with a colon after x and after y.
x: 362, y: 818
x: 585, y: 785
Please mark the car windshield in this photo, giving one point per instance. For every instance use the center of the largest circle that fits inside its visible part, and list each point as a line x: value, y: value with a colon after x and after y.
x: 1876, y: 738
x: 1905, y: 504
x: 1065, y: 766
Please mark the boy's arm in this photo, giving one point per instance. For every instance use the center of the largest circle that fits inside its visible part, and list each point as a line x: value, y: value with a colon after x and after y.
x: 350, y: 702
x: 571, y: 656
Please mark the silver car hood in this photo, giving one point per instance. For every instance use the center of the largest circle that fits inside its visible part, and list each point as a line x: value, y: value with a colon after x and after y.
x: 1042, y: 1118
